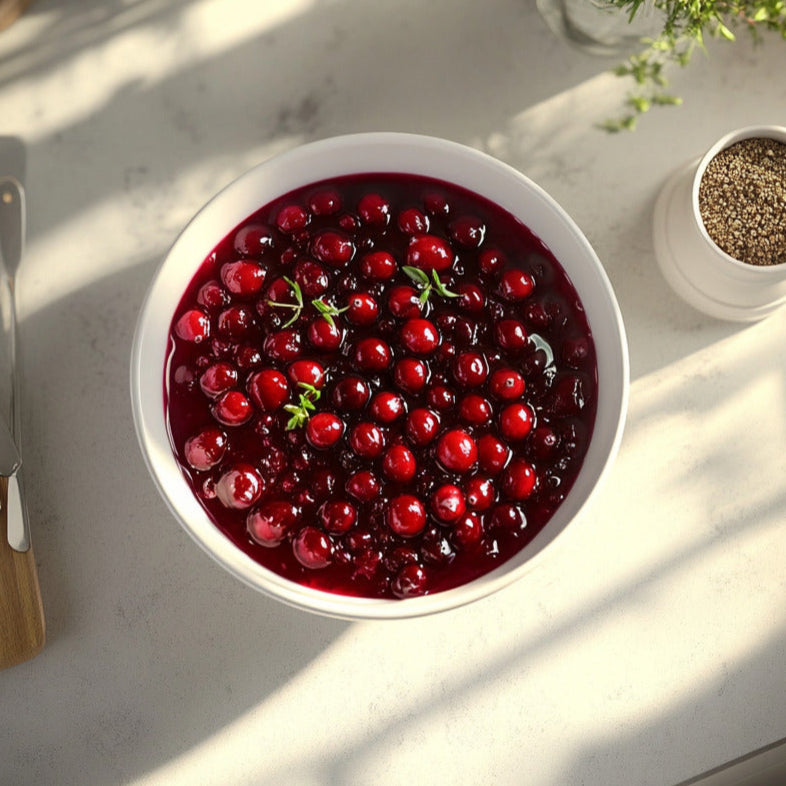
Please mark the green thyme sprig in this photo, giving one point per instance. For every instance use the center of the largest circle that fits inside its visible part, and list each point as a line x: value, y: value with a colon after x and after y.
x: 686, y: 26
x: 425, y: 284
x: 296, y: 307
x: 301, y: 411
x: 328, y: 310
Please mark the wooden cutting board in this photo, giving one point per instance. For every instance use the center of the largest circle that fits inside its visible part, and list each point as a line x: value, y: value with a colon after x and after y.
x: 22, y: 629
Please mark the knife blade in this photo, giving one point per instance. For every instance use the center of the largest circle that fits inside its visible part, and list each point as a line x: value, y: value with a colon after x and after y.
x: 22, y: 624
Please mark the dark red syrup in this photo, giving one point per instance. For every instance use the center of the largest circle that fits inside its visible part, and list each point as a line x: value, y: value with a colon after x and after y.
x: 381, y: 385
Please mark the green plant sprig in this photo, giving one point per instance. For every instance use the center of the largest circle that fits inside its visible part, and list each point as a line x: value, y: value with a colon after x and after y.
x: 296, y: 307
x: 328, y: 310
x: 426, y: 285
x: 301, y: 411
x: 686, y: 26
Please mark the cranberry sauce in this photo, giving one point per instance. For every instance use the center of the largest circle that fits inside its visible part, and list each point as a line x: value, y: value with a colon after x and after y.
x: 382, y: 385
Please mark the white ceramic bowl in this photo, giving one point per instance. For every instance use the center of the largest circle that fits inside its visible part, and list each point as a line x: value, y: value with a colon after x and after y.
x: 698, y: 270
x: 376, y: 152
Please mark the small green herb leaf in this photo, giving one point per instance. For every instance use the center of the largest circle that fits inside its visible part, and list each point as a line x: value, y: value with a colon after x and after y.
x: 301, y: 411
x: 296, y: 307
x: 328, y: 310
x: 426, y: 284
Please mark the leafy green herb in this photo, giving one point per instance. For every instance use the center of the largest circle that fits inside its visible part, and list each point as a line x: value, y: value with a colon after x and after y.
x: 686, y: 24
x: 328, y: 310
x: 296, y: 307
x: 425, y: 284
x: 301, y: 411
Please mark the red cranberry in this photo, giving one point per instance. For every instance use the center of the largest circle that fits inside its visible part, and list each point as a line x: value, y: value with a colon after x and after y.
x: 253, y: 240
x: 506, y: 384
x: 508, y: 517
x: 372, y: 354
x: 457, y: 451
x: 374, y: 209
x: 575, y: 351
x: 516, y: 284
x: 333, y: 248
x: 291, y: 218
x: 269, y: 523
x: 363, y: 486
x: 386, y: 407
x: 519, y: 480
x: 545, y: 442
x: 232, y: 409
x: 193, y: 326
x: 441, y: 398
x: 403, y: 301
x: 422, y: 426
x: 367, y: 440
x: 567, y: 396
x: 511, y: 334
x: 351, y: 394
x: 468, y: 531
x: 312, y: 548
x: 218, y: 378
x: 472, y: 298
x: 492, y: 454
x: 307, y: 372
x: 247, y: 356
x: 491, y: 261
x: 480, y: 493
x: 419, y: 336
x: 406, y: 515
x: 410, y: 582
x: 412, y: 221
x: 516, y: 421
x: 239, y: 487
x: 470, y: 369
x: 410, y: 375
x: 448, y: 503
x: 235, y: 322
x: 323, y: 430
x: 338, y: 516
x: 243, y: 278
x: 268, y: 389
x: 212, y: 295
x: 311, y: 277
x: 324, y: 335
x: 429, y: 252
x: 467, y: 231
x: 474, y: 409
x: 362, y: 309
x: 325, y: 202
x: 378, y: 266
x: 436, y: 203
x: 399, y: 464
x: 283, y: 345
x: 205, y: 450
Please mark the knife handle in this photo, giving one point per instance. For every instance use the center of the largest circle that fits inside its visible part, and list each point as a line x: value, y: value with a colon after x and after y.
x: 22, y: 628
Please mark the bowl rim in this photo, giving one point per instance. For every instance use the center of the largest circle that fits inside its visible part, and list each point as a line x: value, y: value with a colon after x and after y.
x: 399, y: 149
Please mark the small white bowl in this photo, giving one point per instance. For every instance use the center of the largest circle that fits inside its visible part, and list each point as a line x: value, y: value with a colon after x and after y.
x: 697, y: 269
x: 359, y: 153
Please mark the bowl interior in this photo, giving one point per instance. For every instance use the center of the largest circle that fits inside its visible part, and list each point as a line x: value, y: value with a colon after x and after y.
x: 383, y: 152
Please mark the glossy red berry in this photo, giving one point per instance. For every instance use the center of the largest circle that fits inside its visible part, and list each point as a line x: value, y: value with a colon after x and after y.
x: 448, y: 503
x: 374, y: 209
x: 271, y: 522
x: 516, y: 284
x: 516, y: 421
x: 338, y: 516
x: 362, y: 309
x: 404, y: 302
x: 508, y: 517
x: 218, y: 378
x: 506, y: 384
x: 243, y: 277
x: 457, y: 451
x: 378, y: 266
x: 441, y: 398
x: 468, y: 531
x: 422, y: 426
x: 351, y: 394
x: 325, y: 335
x: 419, y: 336
x: 311, y: 277
x: 472, y: 299
x: 306, y: 372
x: 386, y: 407
x: 406, y: 515
x: 253, y: 240
x: 467, y: 231
x: 412, y: 221
x: 205, y: 450
x: 312, y: 548
x: 325, y: 202
x: 372, y: 355
x: 399, y: 464
x: 410, y: 375
x: 474, y: 410
x: 283, y: 345
x: 333, y: 248
x: 410, y: 582
x: 323, y: 430
x: 363, y: 486
x: 511, y: 335
x: 193, y: 326
x: 239, y: 487
x: 212, y: 295
x: 429, y: 252
x: 367, y: 440
x: 492, y: 454
x: 268, y: 389
x: 519, y: 480
x: 232, y: 408
x: 470, y: 369
x: 480, y: 493
x: 492, y: 260
x: 291, y: 218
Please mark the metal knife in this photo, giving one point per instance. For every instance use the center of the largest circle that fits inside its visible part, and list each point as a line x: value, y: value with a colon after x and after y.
x: 22, y: 626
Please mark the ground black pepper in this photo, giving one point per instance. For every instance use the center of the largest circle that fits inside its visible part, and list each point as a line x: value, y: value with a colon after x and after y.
x: 742, y: 201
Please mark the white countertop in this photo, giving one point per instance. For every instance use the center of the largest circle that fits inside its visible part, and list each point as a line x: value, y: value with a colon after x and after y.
x: 650, y: 645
